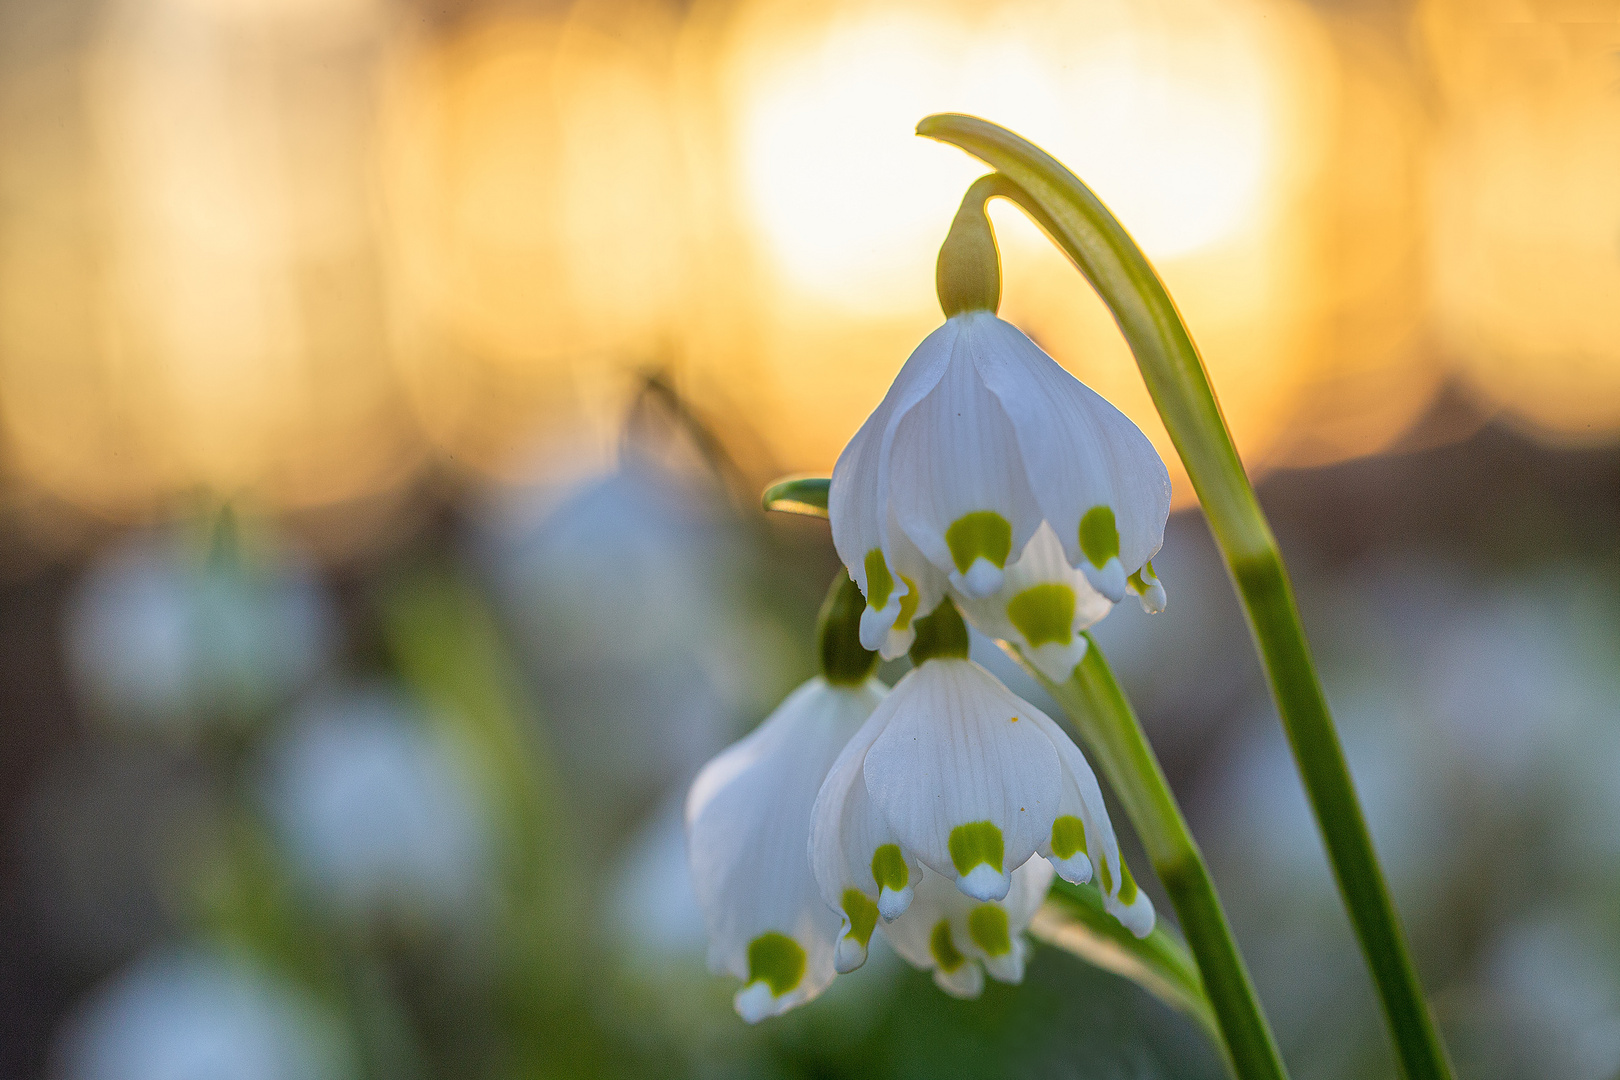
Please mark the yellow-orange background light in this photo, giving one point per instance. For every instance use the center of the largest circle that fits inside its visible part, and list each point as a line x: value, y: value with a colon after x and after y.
x: 301, y: 251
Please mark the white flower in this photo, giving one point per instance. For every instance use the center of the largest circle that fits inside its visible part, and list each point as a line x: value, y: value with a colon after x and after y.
x: 956, y: 773
x: 959, y: 938
x: 981, y: 438
x: 748, y: 824
x: 1042, y: 607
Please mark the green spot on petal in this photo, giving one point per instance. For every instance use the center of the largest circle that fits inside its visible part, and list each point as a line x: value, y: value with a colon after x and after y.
x: 974, y: 843
x: 889, y: 868
x: 946, y: 954
x: 777, y: 959
x: 1043, y: 614
x: 1068, y: 836
x: 908, y: 604
x: 987, y: 925
x: 1127, y: 884
x: 879, y: 582
x: 862, y: 915
x: 1105, y: 879
x: 1099, y: 536
x: 983, y: 533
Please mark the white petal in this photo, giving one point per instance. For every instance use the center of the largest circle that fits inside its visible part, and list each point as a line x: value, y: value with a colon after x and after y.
x: 959, y: 751
x: 846, y: 831
x: 748, y: 822
x: 954, y: 454
x: 938, y: 933
x: 857, y: 502
x: 1021, y: 614
x: 1082, y: 798
x: 1137, y: 916
x: 1081, y: 452
x: 966, y: 982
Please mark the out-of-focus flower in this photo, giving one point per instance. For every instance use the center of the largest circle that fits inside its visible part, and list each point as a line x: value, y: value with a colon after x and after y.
x: 1554, y: 976
x: 378, y: 812
x: 163, y: 635
x: 629, y: 600
x: 748, y: 825
x: 980, y: 440
x: 956, y: 773
x: 199, y: 1013
x: 959, y: 939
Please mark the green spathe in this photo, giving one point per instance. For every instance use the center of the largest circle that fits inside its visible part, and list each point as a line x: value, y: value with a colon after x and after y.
x: 844, y: 661
x: 778, y: 960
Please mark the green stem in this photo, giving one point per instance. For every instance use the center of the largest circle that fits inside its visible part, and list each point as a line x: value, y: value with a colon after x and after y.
x: 1098, y: 708
x: 1082, y: 226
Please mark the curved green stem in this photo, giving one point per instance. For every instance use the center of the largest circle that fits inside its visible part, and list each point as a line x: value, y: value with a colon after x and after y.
x: 1098, y: 708
x: 1082, y: 226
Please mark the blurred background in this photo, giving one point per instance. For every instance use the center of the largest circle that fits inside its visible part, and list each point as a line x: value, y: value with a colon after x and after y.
x: 386, y: 388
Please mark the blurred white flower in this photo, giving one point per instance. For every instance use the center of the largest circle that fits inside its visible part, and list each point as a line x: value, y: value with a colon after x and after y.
x: 981, y: 438
x: 159, y: 634
x: 196, y: 1013
x: 1557, y: 978
x: 630, y: 601
x: 378, y: 812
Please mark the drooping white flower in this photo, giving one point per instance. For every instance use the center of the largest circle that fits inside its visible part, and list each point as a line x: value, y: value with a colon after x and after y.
x: 957, y: 774
x: 981, y: 438
x: 959, y: 939
x: 1043, y: 605
x: 748, y: 824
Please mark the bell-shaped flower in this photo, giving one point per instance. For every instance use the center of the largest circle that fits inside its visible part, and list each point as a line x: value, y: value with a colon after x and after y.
x: 1043, y: 606
x: 959, y: 939
x: 748, y: 829
x: 981, y: 438
x: 957, y: 774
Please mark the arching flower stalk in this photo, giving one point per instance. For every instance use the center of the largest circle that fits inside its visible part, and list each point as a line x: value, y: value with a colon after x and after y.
x: 982, y: 444
x: 748, y: 822
x: 957, y: 776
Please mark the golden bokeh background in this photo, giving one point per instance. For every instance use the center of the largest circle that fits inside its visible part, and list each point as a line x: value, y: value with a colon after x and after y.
x: 300, y: 252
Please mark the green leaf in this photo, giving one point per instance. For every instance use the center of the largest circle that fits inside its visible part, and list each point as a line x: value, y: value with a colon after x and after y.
x: 806, y: 495
x: 1073, y: 919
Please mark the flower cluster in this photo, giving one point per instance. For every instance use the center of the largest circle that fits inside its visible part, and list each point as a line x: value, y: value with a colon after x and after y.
x: 988, y: 483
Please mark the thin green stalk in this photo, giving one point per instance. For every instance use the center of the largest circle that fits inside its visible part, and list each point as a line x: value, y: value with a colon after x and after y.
x: 1104, y: 252
x: 1098, y: 708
